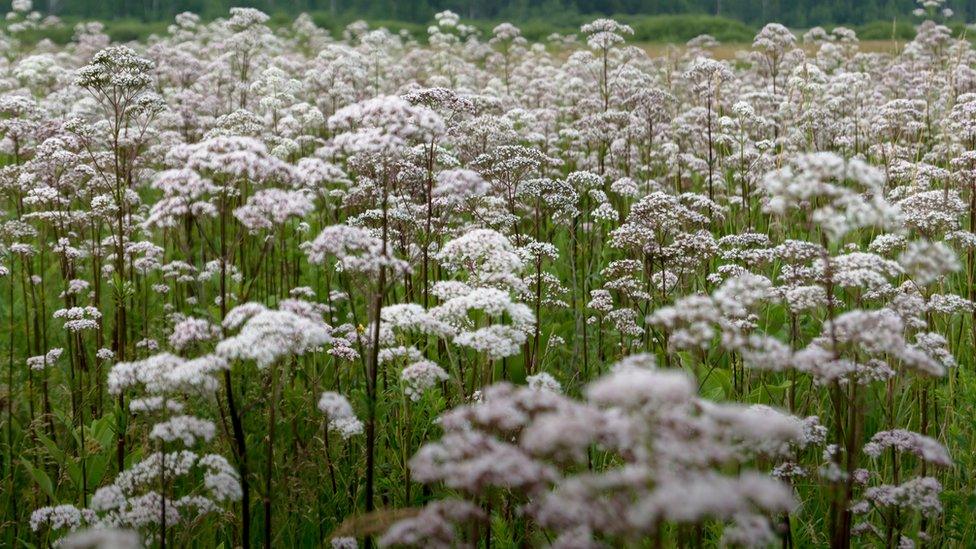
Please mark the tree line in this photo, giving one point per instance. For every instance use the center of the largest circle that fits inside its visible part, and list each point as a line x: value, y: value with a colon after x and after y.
x: 795, y: 13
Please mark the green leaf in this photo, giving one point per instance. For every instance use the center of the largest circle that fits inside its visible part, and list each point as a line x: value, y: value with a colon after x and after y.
x: 103, y: 430
x: 74, y: 473
x: 52, y: 448
x: 96, y: 469
x: 717, y: 385
x: 40, y: 477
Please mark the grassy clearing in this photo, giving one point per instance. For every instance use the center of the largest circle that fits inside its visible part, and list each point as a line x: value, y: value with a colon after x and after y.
x: 730, y: 50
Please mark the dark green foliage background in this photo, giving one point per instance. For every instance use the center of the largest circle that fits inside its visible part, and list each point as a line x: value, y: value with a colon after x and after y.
x: 551, y: 14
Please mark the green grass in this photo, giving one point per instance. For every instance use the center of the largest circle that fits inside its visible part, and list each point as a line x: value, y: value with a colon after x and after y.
x: 119, y: 30
x: 886, y: 30
x: 681, y: 28
x: 650, y: 29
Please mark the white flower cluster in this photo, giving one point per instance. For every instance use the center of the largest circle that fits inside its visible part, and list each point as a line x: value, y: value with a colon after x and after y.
x: 668, y: 442
x: 266, y: 335
x: 420, y: 376
x: 340, y: 415
x: 77, y: 319
x: 46, y: 360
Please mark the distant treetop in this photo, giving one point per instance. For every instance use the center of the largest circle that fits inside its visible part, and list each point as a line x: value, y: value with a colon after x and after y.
x: 792, y: 13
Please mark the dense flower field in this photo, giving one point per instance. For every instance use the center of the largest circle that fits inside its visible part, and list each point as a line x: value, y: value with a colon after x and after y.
x: 278, y: 288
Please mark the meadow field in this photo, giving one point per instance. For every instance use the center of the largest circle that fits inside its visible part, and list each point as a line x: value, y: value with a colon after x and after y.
x: 274, y: 284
